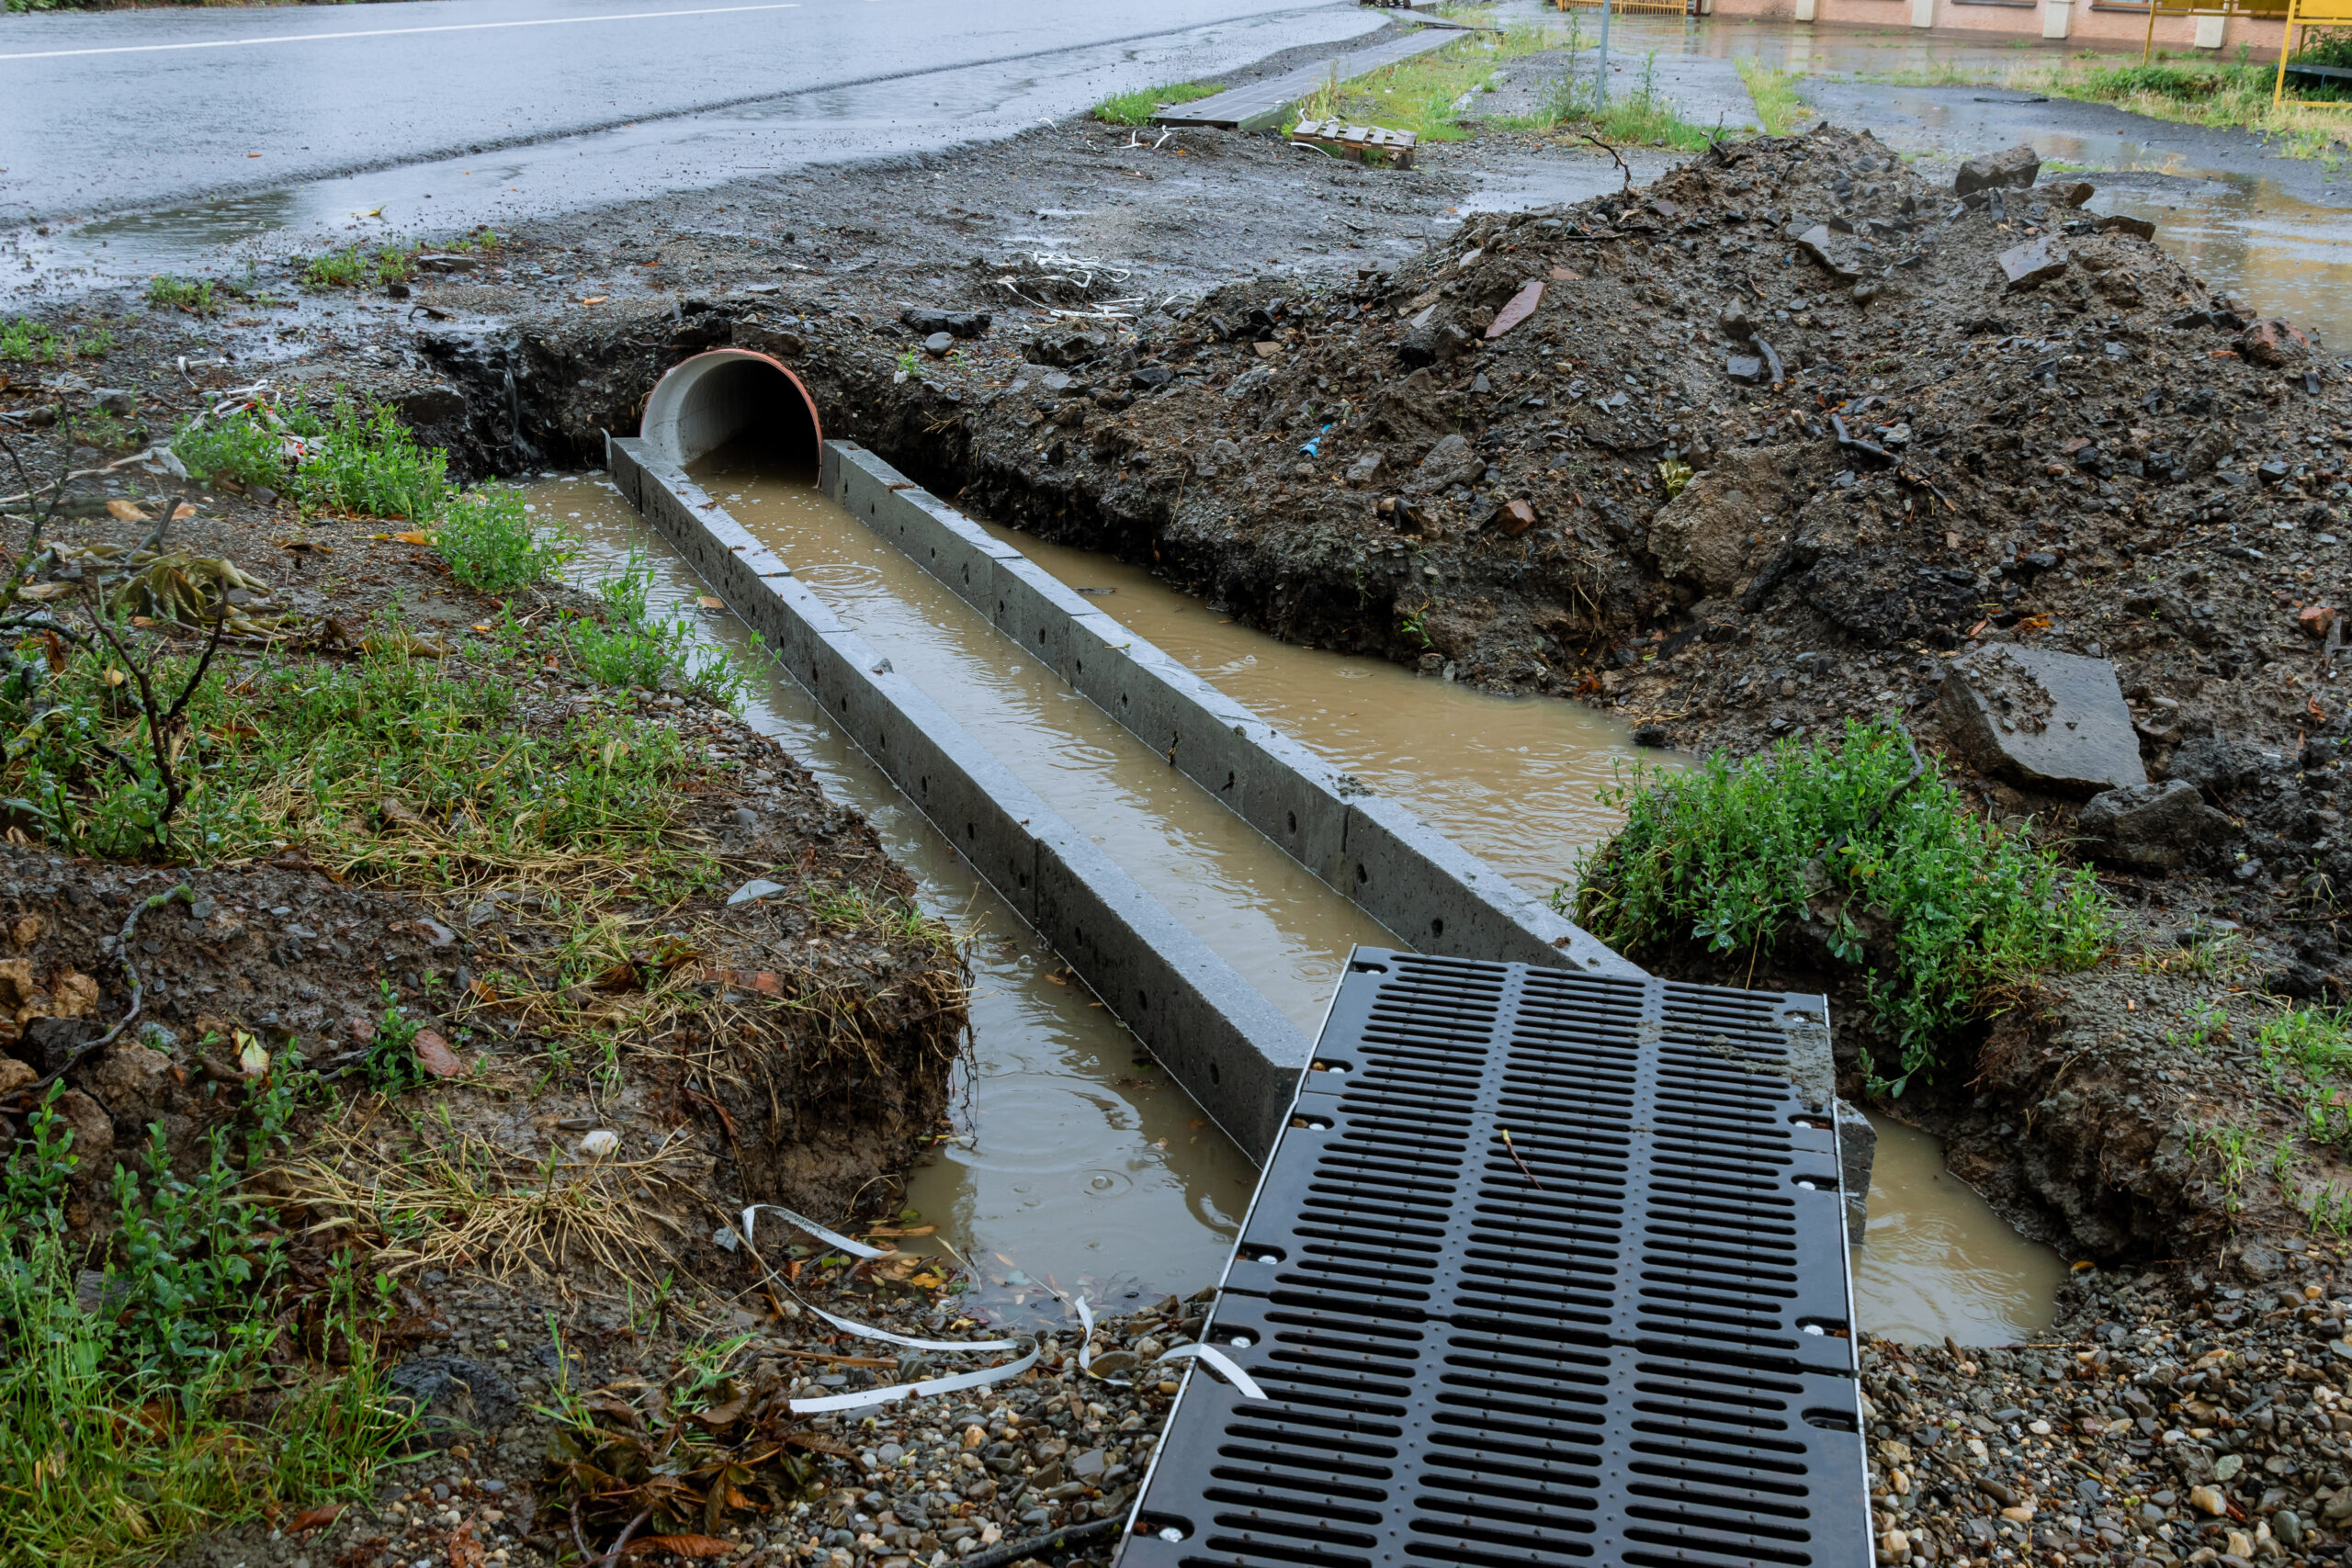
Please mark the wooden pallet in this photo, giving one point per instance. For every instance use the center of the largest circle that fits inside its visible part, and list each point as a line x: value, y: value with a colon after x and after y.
x: 1352, y: 142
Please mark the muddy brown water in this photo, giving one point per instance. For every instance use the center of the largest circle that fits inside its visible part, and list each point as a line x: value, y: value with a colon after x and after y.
x: 1075, y: 1164
x: 1937, y: 1261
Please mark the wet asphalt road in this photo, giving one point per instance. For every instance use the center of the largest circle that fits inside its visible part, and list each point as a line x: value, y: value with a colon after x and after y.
x: 564, y: 101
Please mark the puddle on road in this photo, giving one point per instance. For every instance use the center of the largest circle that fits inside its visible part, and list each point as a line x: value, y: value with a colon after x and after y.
x: 2288, y: 257
x: 1937, y: 1261
x: 1078, y: 1160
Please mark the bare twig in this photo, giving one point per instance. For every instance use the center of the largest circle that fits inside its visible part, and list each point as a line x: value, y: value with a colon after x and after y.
x: 183, y: 893
x: 1621, y: 165
x: 161, y: 720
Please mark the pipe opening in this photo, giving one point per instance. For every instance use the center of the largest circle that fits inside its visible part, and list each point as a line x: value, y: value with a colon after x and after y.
x: 735, y: 399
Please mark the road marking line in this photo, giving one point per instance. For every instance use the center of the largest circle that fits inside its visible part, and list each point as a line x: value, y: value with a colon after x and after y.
x: 397, y: 33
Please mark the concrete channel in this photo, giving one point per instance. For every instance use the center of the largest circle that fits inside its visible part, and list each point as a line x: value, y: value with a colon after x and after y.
x: 1222, y: 1041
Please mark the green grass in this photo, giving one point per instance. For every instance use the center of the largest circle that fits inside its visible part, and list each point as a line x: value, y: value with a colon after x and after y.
x: 1419, y: 94
x: 397, y: 767
x: 168, y: 292
x: 1640, y: 117
x: 355, y: 266
x: 489, y: 541
x: 1775, y: 91
x: 1137, y: 107
x: 2227, y: 94
x: 629, y: 647
x: 1948, y: 917
x: 25, y: 342
x: 125, y: 1433
x: 356, y: 458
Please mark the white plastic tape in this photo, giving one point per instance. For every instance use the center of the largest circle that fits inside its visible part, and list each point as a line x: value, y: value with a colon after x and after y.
x: 889, y: 1393
x: 1215, y: 1358
x: 854, y: 1248
x: 1224, y: 1364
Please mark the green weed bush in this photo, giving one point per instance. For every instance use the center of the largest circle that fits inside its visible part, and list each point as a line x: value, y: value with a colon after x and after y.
x: 127, y: 1430
x: 1137, y: 107
x: 631, y: 647
x: 491, y: 545
x: 169, y: 292
x: 1949, y: 916
x: 356, y: 458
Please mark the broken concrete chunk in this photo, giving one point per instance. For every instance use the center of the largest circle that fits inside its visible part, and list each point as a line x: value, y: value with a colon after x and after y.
x: 1433, y: 343
x: 1842, y: 256
x: 1520, y: 306
x: 2274, y: 344
x: 2053, y: 720
x: 955, y: 324
x: 2015, y: 168
x: 2032, y: 265
x: 2144, y: 827
x: 1450, y: 462
x: 1064, y: 349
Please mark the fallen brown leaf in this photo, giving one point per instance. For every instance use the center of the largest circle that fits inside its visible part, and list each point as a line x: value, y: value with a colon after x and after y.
x: 682, y: 1545
x: 319, y: 1518
x: 433, y: 1054
x: 124, y: 511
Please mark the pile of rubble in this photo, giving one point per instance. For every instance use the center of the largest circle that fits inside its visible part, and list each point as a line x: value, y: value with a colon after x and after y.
x: 1657, y: 448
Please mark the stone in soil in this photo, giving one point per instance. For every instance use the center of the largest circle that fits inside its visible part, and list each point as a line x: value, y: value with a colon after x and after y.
x: 2054, y: 720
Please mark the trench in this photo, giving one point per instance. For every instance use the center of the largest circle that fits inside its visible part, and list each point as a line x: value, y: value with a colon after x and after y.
x: 1076, y: 1161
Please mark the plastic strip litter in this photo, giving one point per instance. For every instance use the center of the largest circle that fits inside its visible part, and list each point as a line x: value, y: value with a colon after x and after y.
x: 889, y: 1393
x: 1208, y: 1353
x: 1224, y: 1364
x: 854, y: 1248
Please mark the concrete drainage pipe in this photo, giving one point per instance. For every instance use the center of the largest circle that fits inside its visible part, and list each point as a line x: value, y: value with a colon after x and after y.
x: 731, y: 394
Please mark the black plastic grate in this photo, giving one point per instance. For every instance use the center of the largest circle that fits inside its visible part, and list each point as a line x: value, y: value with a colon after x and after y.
x: 1618, y: 1336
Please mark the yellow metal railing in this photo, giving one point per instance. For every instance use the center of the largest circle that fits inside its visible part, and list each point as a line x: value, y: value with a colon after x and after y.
x: 1632, y: 7
x: 2272, y: 8
x: 2301, y: 17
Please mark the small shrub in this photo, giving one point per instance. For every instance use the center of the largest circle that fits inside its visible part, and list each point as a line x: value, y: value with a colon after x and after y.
x: 362, y: 459
x: 633, y: 649
x: 345, y: 268
x: 25, y: 342
x: 239, y: 447
x: 391, y: 1065
x: 124, y: 1432
x: 192, y: 295
x: 490, y: 544
x: 1949, y: 915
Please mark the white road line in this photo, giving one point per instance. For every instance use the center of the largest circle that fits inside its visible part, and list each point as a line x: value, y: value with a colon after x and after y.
x: 397, y: 33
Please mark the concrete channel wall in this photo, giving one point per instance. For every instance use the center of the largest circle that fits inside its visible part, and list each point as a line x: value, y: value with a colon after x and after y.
x: 1231, y: 1050
x: 1434, y: 895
